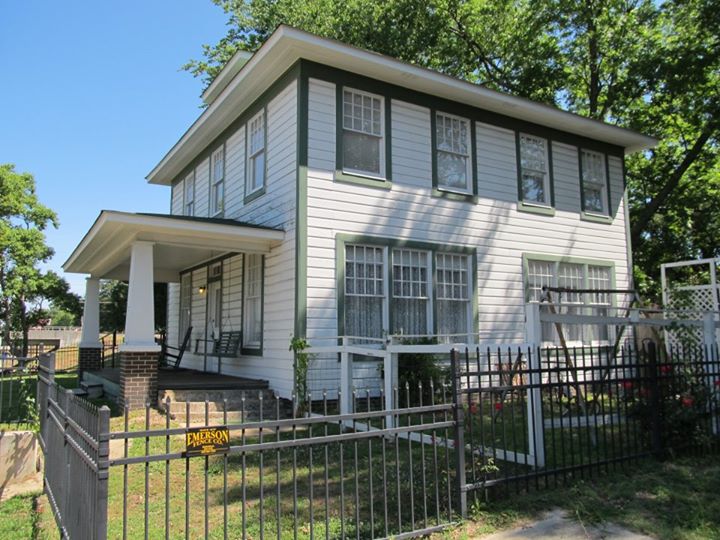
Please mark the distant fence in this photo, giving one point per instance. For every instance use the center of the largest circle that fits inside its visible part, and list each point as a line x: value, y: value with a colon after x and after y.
x: 497, y: 421
x: 17, y: 390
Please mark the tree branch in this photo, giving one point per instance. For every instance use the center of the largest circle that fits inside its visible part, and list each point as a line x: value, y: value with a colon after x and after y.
x: 647, y: 213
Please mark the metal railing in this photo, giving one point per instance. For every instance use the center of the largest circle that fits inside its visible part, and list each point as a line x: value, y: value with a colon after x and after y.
x: 537, y: 418
x: 499, y: 420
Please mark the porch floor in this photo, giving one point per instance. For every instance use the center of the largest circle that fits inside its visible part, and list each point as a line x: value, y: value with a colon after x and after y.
x: 189, y: 379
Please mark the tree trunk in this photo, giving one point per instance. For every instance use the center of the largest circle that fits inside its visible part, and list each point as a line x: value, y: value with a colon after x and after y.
x: 646, y: 214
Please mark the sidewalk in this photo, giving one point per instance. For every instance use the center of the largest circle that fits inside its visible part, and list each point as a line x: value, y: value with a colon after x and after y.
x: 559, y: 525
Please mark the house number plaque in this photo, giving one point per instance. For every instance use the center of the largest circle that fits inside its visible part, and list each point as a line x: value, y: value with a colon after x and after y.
x: 206, y: 441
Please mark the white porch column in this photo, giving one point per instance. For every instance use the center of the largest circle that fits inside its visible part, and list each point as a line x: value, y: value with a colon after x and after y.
x: 89, y: 338
x: 140, y: 315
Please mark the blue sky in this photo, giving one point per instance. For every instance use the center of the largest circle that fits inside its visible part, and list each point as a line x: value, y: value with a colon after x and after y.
x: 92, y: 96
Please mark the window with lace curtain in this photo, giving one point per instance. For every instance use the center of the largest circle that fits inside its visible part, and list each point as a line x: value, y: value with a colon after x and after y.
x: 542, y: 272
x: 410, y: 304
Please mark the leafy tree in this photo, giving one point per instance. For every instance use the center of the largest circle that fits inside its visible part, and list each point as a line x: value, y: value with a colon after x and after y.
x: 24, y: 288
x: 113, y: 305
x: 650, y: 66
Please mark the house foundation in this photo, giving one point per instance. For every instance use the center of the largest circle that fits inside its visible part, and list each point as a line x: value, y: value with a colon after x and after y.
x: 89, y: 359
x: 138, y: 378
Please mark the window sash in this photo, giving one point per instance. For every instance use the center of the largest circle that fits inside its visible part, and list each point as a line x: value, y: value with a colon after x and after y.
x: 594, y: 179
x: 185, y: 317
x: 256, y: 161
x: 217, y: 174
x: 363, y: 119
x: 364, y: 290
x: 453, y: 144
x: 534, y: 170
x: 577, y: 276
x: 252, y: 300
x: 189, y: 194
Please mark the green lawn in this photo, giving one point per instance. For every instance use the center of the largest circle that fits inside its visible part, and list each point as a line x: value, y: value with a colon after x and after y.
x: 673, y: 500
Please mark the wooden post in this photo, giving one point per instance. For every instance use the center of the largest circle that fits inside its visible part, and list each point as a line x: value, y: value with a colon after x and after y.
x: 710, y: 360
x: 536, y: 425
x: 101, y: 495
x: 345, y: 378
x: 459, y: 421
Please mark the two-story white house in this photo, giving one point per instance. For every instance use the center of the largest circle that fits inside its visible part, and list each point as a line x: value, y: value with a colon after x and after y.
x: 330, y: 191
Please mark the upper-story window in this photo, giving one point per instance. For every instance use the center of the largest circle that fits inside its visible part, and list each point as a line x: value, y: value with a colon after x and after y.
x: 189, y: 190
x: 452, y: 135
x: 217, y: 181
x: 593, y: 178
x: 256, y: 154
x: 534, y: 170
x: 363, y: 146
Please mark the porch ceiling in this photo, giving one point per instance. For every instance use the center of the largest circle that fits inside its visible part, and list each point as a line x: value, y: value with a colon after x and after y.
x: 180, y: 243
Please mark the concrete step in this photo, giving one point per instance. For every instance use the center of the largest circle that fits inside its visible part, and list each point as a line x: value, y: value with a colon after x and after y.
x: 80, y: 392
x: 239, y: 404
x: 93, y: 390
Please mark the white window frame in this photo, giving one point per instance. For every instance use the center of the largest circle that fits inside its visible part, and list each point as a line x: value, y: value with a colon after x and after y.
x: 217, y: 204
x: 383, y: 275
x: 253, y: 292
x: 468, y: 190
x: 185, y: 302
x: 189, y: 205
x: 427, y: 255
x: 441, y: 288
x: 251, y: 186
x: 601, y: 183
x: 587, y: 300
x: 382, y: 174
x: 546, y: 173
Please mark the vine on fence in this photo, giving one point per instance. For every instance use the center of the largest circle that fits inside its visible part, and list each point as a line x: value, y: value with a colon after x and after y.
x: 299, y: 346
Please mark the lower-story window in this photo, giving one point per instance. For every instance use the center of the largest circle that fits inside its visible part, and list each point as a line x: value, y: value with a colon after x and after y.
x: 185, y: 306
x: 453, y: 293
x: 572, y: 275
x: 393, y: 290
x: 252, y: 302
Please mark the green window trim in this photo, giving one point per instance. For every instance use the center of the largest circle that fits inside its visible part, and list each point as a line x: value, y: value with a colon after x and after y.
x: 342, y: 239
x: 559, y: 259
x: 354, y: 177
x: 527, y: 206
x: 253, y: 351
x: 447, y: 192
x: 211, y: 183
x: 251, y: 196
x: 596, y: 217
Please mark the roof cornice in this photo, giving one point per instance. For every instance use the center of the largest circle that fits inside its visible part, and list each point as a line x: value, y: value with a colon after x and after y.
x: 242, y: 81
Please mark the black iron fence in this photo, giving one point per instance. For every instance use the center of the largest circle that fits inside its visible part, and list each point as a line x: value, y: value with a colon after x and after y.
x: 534, y: 419
x: 510, y: 420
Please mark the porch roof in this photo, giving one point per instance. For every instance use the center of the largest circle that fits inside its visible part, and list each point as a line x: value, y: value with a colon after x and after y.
x: 180, y: 242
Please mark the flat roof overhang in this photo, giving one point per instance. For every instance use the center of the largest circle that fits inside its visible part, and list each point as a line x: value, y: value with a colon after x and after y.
x: 179, y: 243
x: 243, y: 80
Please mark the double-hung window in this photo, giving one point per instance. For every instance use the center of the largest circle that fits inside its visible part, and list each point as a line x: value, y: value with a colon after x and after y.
x: 572, y: 276
x: 185, y: 305
x: 364, y: 290
x: 452, y: 152
x: 217, y: 181
x: 453, y: 294
x: 534, y: 170
x: 411, y: 313
x: 189, y: 189
x: 406, y: 290
x: 252, y: 302
x: 593, y: 177
x: 256, y: 154
x: 363, y: 147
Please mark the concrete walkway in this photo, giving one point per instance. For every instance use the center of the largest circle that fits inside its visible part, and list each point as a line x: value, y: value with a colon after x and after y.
x: 559, y: 525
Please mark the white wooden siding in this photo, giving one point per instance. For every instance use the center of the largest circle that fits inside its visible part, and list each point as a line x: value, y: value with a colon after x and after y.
x: 494, y: 226
x: 202, y: 188
x: 176, y: 198
x: 275, y: 208
x: 173, y: 307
